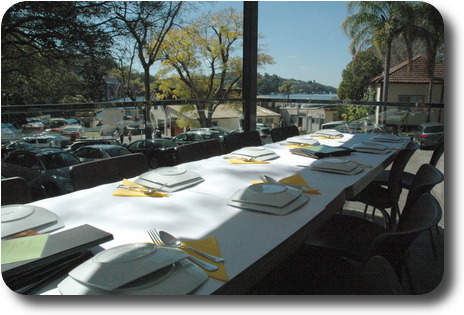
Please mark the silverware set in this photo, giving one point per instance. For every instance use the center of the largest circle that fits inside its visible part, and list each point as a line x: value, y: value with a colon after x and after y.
x: 165, y: 239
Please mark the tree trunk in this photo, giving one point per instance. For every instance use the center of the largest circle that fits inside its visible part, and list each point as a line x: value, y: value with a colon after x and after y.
x: 386, y: 77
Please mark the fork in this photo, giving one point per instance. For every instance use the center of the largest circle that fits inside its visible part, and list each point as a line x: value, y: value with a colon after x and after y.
x: 138, y: 188
x: 154, y: 235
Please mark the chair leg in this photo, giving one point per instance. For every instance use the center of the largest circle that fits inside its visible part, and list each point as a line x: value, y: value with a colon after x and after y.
x: 365, y: 211
x: 434, y: 247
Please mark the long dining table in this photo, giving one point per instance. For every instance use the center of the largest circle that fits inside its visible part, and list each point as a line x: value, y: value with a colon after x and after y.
x: 250, y: 242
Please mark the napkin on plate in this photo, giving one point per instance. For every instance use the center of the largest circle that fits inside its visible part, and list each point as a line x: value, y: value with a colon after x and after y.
x: 134, y: 193
x: 208, y: 245
x: 233, y: 160
x: 298, y: 180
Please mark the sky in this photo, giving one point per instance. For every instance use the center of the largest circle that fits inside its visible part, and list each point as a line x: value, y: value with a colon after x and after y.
x: 304, y: 37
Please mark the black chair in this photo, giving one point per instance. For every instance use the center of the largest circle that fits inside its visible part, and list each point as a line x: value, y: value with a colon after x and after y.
x: 15, y: 191
x: 358, y: 239
x: 235, y: 141
x: 104, y: 171
x: 407, y: 178
x: 282, y: 133
x: 377, y: 277
x: 383, y: 198
x: 198, y: 150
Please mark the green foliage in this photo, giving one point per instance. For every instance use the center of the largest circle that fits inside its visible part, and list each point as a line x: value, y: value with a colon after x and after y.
x: 357, y: 75
x: 354, y: 112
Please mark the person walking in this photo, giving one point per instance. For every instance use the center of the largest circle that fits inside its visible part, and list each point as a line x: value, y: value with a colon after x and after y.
x: 129, y: 136
x: 116, y: 134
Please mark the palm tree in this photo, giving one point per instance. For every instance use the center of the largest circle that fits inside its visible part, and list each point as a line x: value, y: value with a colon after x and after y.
x: 376, y: 23
x: 430, y: 28
x: 286, y: 88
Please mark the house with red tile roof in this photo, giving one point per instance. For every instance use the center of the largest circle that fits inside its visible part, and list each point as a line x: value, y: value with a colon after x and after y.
x: 409, y: 83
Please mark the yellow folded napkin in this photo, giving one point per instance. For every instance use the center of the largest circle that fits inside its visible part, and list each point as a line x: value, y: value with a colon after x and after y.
x: 296, y: 145
x: 234, y: 160
x: 362, y: 165
x: 208, y: 245
x: 298, y: 180
x: 134, y: 193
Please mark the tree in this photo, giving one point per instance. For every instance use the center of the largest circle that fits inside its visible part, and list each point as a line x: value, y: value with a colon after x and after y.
x: 377, y: 23
x: 286, y: 88
x: 201, y: 61
x: 357, y: 75
x: 44, y: 44
x: 430, y: 28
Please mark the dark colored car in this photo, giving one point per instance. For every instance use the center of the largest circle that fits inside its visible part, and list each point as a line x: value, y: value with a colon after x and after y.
x: 79, y: 143
x: 196, y: 136
x: 99, y: 151
x: 429, y: 134
x: 159, y: 152
x: 44, y: 169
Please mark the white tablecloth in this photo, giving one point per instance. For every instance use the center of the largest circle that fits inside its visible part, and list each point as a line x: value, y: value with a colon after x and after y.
x: 201, y: 211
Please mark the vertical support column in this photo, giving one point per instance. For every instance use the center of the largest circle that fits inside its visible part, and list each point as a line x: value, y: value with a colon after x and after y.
x: 250, y: 63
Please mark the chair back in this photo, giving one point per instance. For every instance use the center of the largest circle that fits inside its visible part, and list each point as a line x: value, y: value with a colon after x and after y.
x: 425, y: 214
x: 198, y: 150
x: 282, y: 133
x: 104, y: 171
x: 424, y: 181
x: 235, y: 141
x: 378, y: 277
x: 438, y: 152
x: 15, y: 191
x: 396, y: 173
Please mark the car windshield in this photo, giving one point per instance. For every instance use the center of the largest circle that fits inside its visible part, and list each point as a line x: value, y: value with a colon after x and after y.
x: 58, y: 160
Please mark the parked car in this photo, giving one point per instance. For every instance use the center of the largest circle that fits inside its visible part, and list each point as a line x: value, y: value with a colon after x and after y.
x: 197, y: 135
x: 429, y: 134
x: 44, y: 169
x: 159, y: 152
x: 264, y: 134
x: 99, y: 151
x: 79, y: 143
x: 9, y: 133
x: 45, y: 141
x: 16, y: 145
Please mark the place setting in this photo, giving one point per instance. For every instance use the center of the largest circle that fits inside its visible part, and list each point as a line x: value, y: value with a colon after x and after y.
x: 327, y: 134
x: 338, y: 165
x: 371, y: 147
x: 165, y: 266
x: 158, y: 183
x: 301, y: 141
x: 251, y: 155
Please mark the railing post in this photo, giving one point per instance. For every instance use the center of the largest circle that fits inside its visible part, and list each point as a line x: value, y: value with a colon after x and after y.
x: 250, y: 63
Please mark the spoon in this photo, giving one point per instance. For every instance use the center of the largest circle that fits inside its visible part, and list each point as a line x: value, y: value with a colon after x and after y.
x: 170, y: 240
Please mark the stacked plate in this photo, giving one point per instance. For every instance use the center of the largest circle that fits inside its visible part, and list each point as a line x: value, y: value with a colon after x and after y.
x: 270, y: 198
x: 255, y: 153
x: 134, y: 269
x: 302, y: 140
x: 371, y: 147
x: 329, y: 133
x: 169, y: 179
x: 387, y: 138
x: 337, y: 165
x: 20, y: 218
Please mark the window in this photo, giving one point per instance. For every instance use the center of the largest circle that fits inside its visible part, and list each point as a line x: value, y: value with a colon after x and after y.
x: 411, y: 98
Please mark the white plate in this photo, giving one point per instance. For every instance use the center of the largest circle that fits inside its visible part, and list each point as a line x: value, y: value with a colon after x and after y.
x: 258, y: 153
x: 270, y: 198
x: 328, y: 133
x: 371, y: 147
x: 178, y: 278
x: 337, y: 165
x: 387, y: 138
x: 19, y: 218
x: 169, y: 179
x: 304, y: 140
x: 116, y: 267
